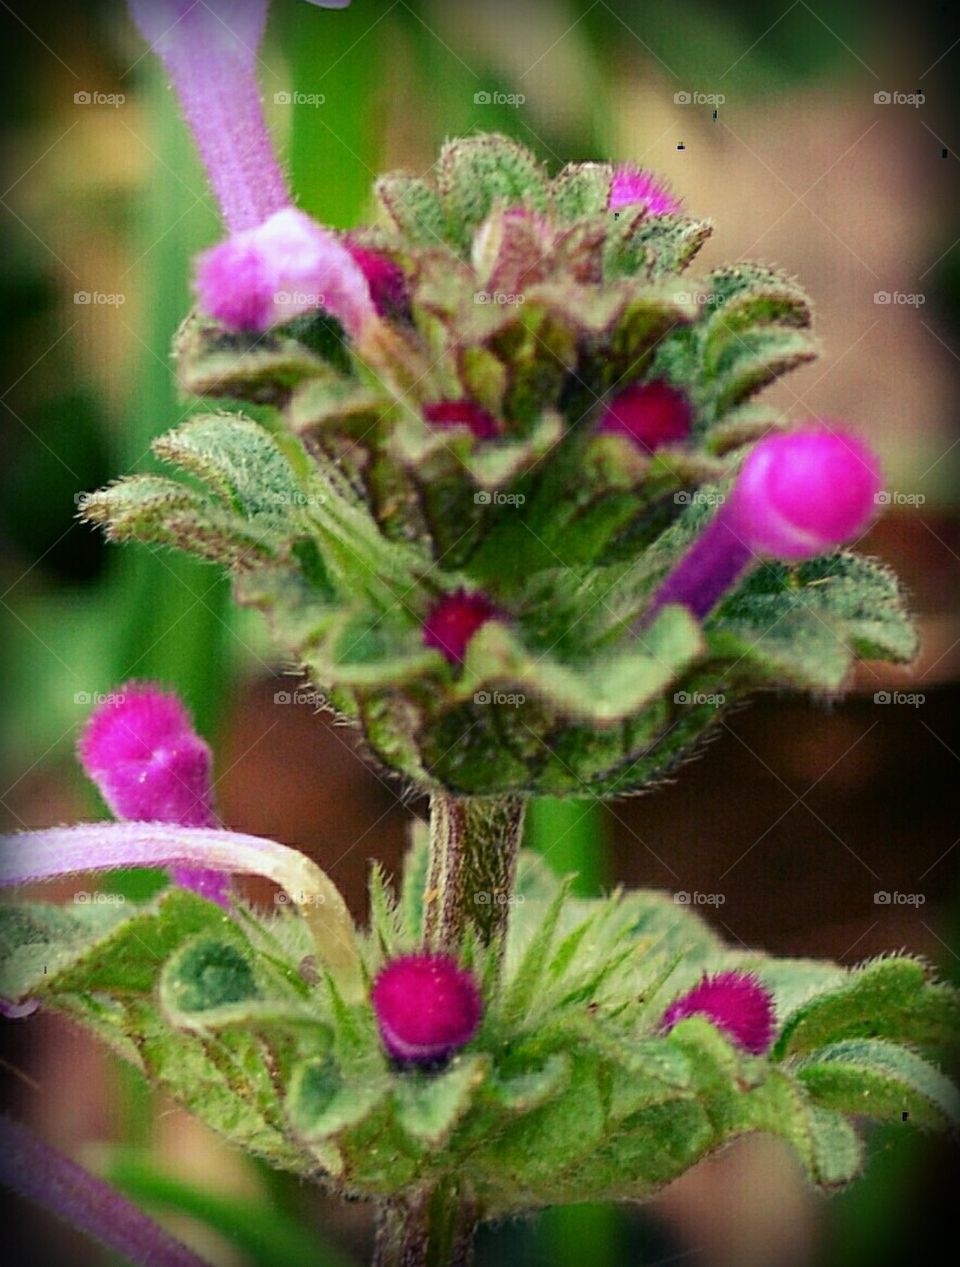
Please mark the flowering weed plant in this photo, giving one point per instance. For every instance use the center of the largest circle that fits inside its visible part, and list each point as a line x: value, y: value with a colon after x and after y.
x: 523, y: 517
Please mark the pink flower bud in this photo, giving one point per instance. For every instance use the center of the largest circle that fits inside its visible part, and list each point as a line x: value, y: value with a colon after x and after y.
x: 650, y: 414
x: 632, y: 186
x: 806, y: 492
x: 149, y: 764
x: 453, y: 620
x: 427, y: 1007
x: 452, y: 413
x: 264, y: 276
x: 735, y: 1002
x: 797, y: 496
x: 386, y: 280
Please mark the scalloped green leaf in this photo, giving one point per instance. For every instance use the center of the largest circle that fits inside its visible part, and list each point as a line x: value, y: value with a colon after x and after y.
x: 429, y: 1105
x: 885, y: 998
x: 881, y: 1080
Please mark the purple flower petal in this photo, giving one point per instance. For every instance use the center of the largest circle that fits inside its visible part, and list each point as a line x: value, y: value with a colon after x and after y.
x: 286, y: 266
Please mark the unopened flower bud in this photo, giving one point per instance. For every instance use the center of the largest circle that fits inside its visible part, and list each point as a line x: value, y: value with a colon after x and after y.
x: 427, y: 1007
x: 650, y: 414
x: 735, y: 1002
x: 453, y: 620
x: 634, y: 187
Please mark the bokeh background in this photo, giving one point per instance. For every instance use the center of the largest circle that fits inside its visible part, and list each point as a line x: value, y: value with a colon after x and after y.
x: 763, y: 115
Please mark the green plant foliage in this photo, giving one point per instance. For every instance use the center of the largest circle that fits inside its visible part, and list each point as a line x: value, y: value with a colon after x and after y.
x: 569, y: 1091
x: 346, y: 523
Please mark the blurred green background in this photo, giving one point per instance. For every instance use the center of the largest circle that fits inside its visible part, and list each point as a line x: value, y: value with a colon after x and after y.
x: 787, y: 149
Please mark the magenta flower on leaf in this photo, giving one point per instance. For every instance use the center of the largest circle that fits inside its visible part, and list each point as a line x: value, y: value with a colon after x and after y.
x: 264, y: 276
x: 150, y: 765
x: 209, y: 50
x: 453, y: 620
x: 649, y: 414
x: 427, y: 1007
x: 634, y: 187
x: 735, y: 1002
x: 797, y: 496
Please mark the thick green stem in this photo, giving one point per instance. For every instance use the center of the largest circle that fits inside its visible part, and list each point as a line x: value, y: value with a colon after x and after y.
x: 473, y: 859
x: 431, y: 1229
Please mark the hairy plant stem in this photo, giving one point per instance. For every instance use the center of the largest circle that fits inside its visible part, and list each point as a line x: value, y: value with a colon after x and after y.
x: 431, y: 1229
x: 474, y: 842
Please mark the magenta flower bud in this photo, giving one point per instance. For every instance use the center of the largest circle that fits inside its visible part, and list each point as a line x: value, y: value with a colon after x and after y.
x: 735, y: 1002
x: 209, y: 50
x: 649, y: 414
x: 464, y: 413
x: 286, y: 266
x: 427, y: 1007
x: 386, y: 280
x: 797, y: 496
x: 140, y: 748
x: 453, y: 620
x: 634, y: 187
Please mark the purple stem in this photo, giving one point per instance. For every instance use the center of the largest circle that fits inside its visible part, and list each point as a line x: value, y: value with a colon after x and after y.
x: 38, y: 1172
x: 709, y: 568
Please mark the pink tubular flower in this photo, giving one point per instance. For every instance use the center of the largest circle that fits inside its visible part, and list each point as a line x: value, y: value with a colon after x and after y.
x: 453, y: 620
x: 632, y: 187
x: 149, y: 764
x: 288, y: 265
x: 650, y: 414
x: 735, y: 1002
x: 427, y: 1007
x: 452, y: 413
x: 797, y: 496
x: 209, y: 50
